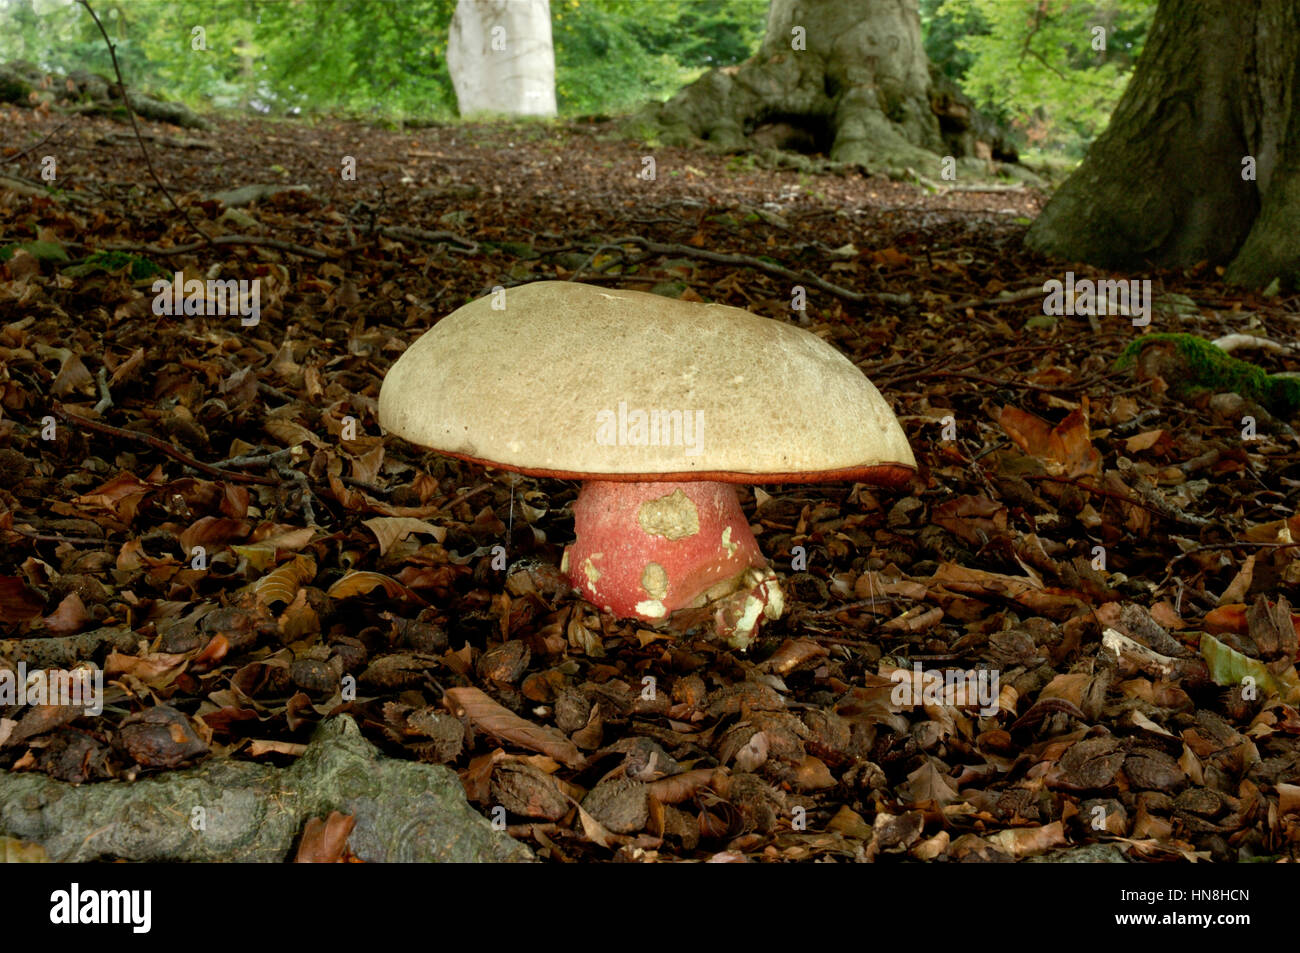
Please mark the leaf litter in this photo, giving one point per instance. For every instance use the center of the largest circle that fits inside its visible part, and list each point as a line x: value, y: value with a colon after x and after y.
x: 180, y: 509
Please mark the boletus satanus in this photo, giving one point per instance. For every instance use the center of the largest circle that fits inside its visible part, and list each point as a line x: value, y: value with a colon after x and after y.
x: 659, y: 407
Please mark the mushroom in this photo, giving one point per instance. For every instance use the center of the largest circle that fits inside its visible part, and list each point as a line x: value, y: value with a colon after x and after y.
x: 660, y: 407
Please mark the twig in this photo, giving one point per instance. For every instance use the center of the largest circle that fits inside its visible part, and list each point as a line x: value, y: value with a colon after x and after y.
x: 35, y: 189
x: 1088, y: 487
x: 259, y: 459
x: 1212, y: 547
x: 305, y: 491
x: 225, y: 240
x: 105, y: 398
x: 420, y: 235
x: 114, y: 138
x: 590, y: 258
x: 37, y: 144
x: 664, y: 248
x: 461, y: 497
x: 50, y: 538
x: 1024, y: 294
x: 976, y: 187
x: 163, y: 447
x: 130, y: 111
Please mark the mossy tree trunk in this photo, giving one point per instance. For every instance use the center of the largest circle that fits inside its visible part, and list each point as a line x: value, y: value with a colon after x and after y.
x: 849, y: 78
x: 1201, y: 160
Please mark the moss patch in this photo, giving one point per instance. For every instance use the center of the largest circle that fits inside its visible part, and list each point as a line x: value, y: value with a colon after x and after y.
x: 1203, y: 366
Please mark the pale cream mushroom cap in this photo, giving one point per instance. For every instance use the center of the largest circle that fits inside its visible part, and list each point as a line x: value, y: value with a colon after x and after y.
x: 551, y: 386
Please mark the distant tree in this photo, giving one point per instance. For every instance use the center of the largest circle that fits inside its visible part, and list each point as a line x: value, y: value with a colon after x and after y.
x: 501, y: 57
x: 1201, y: 160
x: 846, y: 77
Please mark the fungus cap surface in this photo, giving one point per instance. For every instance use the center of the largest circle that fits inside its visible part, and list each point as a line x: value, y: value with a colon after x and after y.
x: 581, y: 382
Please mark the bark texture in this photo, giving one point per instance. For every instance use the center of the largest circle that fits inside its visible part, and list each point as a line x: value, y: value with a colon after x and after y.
x: 501, y: 57
x: 1164, y: 185
x: 849, y: 78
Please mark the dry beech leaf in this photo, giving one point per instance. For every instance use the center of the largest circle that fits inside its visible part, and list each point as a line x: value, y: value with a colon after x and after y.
x: 290, y: 433
x: 119, y: 493
x: 1025, y: 841
x: 390, y: 529
x: 1240, y: 585
x: 326, y: 841
x: 360, y: 582
x: 1230, y: 619
x: 1288, y: 798
x: 596, y: 832
x: 476, y: 779
x: 157, y: 670
x: 973, y: 519
x: 281, y: 585
x: 18, y: 602
x: 682, y: 787
x: 212, y: 531
x: 127, y: 368
x: 928, y: 783
x: 500, y: 722
x: 69, y: 617
x: 849, y: 823
x: 72, y: 376
x: 366, y: 467
x: 258, y: 748
x: 42, y: 718
x: 1066, y: 445
x: 792, y: 654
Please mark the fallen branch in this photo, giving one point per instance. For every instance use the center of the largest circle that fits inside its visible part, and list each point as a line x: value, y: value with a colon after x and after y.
x: 1233, y: 342
x: 117, y: 138
x: 780, y: 271
x: 164, y: 447
x: 1025, y: 294
x: 420, y: 235
x: 1088, y: 487
x: 36, y: 190
x: 226, y: 240
x: 947, y: 187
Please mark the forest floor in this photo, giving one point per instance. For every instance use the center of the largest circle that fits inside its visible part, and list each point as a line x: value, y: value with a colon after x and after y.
x: 1111, y: 560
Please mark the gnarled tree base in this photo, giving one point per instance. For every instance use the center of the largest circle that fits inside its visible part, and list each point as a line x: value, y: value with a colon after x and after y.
x: 861, y: 91
x: 1214, y: 98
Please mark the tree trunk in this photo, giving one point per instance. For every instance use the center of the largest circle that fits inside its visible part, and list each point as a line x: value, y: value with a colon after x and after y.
x: 848, y: 78
x: 1201, y: 160
x: 501, y: 58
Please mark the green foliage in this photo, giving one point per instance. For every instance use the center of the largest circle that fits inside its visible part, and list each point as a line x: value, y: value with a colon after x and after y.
x: 382, y: 59
x: 1034, y: 64
x: 612, y: 55
x: 41, y: 251
x: 1211, y: 368
x: 942, y: 29
x: 342, y: 56
x: 137, y: 267
x: 1229, y: 667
